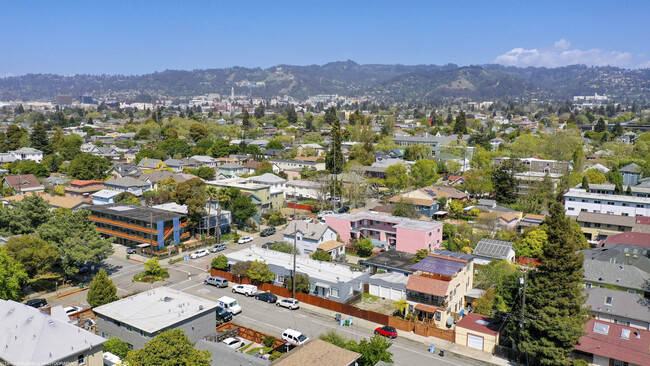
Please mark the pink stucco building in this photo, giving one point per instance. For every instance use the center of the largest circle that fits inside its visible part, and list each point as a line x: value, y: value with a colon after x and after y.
x: 399, y: 233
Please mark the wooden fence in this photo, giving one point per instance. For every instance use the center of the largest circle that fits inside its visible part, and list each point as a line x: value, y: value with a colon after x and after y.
x: 299, y: 206
x: 235, y: 330
x: 428, y: 330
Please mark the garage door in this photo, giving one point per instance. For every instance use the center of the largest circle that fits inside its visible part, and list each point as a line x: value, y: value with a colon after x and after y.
x: 374, y: 290
x: 474, y: 341
x: 384, y: 292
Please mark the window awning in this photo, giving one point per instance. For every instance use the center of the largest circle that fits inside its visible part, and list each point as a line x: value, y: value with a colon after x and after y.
x: 143, y: 245
x: 323, y: 285
x: 426, y: 308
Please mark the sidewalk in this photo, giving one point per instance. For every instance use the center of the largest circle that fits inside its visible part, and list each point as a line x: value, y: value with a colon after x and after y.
x: 441, y: 344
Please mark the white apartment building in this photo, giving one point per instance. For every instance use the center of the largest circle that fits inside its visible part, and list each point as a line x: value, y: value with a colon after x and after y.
x: 27, y: 153
x: 577, y: 200
x: 303, y: 189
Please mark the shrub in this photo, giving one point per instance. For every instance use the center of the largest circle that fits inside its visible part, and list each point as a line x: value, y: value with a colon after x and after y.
x: 274, y: 356
x: 220, y: 262
x: 364, y: 247
x: 269, y: 341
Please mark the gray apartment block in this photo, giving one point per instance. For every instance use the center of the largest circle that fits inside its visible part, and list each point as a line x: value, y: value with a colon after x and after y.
x: 139, y: 318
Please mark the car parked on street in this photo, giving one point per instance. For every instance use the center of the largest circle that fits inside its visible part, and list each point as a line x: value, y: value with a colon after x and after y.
x: 268, y: 232
x: 234, y: 342
x: 289, y: 303
x: 294, y: 337
x: 387, y: 331
x: 248, y: 290
x: 223, y: 315
x: 216, y: 281
x: 244, y: 240
x: 344, y: 209
x: 131, y: 251
x: 199, y: 254
x: 219, y: 247
x: 72, y: 309
x: 266, y: 296
x: 36, y: 303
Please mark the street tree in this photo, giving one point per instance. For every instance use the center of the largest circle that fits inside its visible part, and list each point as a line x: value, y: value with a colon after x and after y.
x: 12, y: 277
x: 302, y: 283
x: 554, y: 314
x: 35, y: 254
x: 260, y: 271
x: 102, y: 290
x: 169, y: 348
x: 397, y: 178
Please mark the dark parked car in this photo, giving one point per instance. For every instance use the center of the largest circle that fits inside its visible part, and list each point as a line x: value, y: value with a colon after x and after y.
x: 36, y: 303
x: 266, y: 296
x: 223, y: 315
x: 344, y: 209
x: 131, y: 251
x: 267, y: 232
x: 387, y: 331
x: 84, y: 269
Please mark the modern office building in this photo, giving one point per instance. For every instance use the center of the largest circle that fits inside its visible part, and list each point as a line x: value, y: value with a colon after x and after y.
x: 578, y: 200
x: 137, y: 225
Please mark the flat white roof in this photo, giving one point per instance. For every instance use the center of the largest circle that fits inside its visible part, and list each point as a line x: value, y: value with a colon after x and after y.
x: 105, y: 193
x: 580, y: 193
x: 156, y: 309
x: 317, y: 270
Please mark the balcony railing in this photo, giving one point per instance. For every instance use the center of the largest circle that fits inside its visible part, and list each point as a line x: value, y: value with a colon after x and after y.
x: 421, y: 298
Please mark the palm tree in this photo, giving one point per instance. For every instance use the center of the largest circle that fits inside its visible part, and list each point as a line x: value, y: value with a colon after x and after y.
x: 401, y: 306
x: 212, y: 192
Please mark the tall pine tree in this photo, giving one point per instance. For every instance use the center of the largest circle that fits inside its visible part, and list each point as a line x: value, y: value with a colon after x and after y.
x: 102, y: 290
x: 39, y: 138
x: 460, y: 127
x: 334, y: 160
x: 554, y: 314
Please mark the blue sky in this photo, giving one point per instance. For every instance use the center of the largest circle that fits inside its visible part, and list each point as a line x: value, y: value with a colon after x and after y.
x: 136, y: 37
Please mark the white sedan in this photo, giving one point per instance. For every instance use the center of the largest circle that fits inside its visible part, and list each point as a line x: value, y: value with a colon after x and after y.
x: 234, y: 342
x: 199, y: 253
x: 72, y: 309
x: 244, y: 240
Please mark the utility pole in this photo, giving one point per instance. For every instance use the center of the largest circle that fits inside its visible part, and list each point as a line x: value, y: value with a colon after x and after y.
x: 523, y: 309
x: 295, y: 230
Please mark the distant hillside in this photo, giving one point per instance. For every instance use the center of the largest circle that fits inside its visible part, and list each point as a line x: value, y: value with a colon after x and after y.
x: 389, y: 82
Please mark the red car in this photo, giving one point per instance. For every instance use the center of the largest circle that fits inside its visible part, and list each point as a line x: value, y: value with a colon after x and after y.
x: 387, y: 331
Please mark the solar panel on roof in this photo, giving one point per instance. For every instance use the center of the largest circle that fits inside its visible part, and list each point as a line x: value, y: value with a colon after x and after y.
x: 439, y: 266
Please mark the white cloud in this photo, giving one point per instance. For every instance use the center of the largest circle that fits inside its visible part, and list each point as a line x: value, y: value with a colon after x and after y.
x: 561, y: 54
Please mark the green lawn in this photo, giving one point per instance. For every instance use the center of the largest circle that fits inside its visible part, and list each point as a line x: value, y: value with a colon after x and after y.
x: 246, y: 347
x: 264, y: 350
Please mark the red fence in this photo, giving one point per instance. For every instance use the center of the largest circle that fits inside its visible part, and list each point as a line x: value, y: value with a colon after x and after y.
x: 299, y: 206
x: 421, y: 329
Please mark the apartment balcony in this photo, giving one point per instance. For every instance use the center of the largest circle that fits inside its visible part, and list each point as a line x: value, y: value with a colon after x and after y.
x: 426, y: 299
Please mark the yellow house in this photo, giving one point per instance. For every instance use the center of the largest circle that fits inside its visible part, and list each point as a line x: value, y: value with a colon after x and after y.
x: 478, y: 332
x: 148, y: 165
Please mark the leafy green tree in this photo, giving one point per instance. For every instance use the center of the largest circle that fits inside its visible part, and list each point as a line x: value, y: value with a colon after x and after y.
x: 69, y: 146
x: 374, y: 350
x: 600, y: 125
x: 153, y: 268
x: 302, y: 283
x: 192, y: 193
x: 127, y: 197
x: 260, y: 271
x: 175, y: 147
x: 102, y: 290
x: 397, y: 178
x: 85, y: 246
x: 14, y: 135
x: 460, y: 127
x: 198, y: 132
x: 292, y: 117
x: 420, y: 255
x: 416, y: 152
x: 39, y: 138
x: 150, y: 154
x: 424, y: 173
x: 594, y: 176
x: 24, y: 216
x: 117, y: 347
x: 240, y: 269
x: 364, y: 247
x: 220, y: 262
x: 35, y: 254
x: 532, y: 245
x: 169, y: 348
x: 275, y: 145
x: 488, y: 302
x: 264, y: 167
x: 204, y: 172
x: 246, y: 119
x: 12, y: 276
x: 88, y: 167
x: 554, y: 314
x: 259, y: 112
x: 29, y: 167
x: 309, y: 122
x: 334, y: 159
x: 503, y: 276
x: 585, y: 183
x: 4, y: 145
x: 321, y: 255
x: 406, y: 209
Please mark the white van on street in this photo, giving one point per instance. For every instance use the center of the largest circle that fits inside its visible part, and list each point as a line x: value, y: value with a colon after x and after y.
x: 294, y: 337
x: 229, y: 304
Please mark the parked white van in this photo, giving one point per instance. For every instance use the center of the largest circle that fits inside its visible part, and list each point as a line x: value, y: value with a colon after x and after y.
x: 294, y: 337
x: 229, y: 304
x: 248, y: 290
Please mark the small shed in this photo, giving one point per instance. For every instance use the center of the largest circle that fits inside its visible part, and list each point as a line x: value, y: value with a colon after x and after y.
x: 479, y: 332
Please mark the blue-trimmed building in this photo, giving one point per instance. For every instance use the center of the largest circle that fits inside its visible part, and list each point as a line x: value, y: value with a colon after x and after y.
x: 135, y: 225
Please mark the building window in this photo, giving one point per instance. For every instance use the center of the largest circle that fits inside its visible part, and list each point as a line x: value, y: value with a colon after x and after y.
x: 588, y: 285
x: 280, y: 279
x: 81, y: 359
x: 610, y: 203
x: 608, y: 300
x: 438, y: 316
x: 335, y: 292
